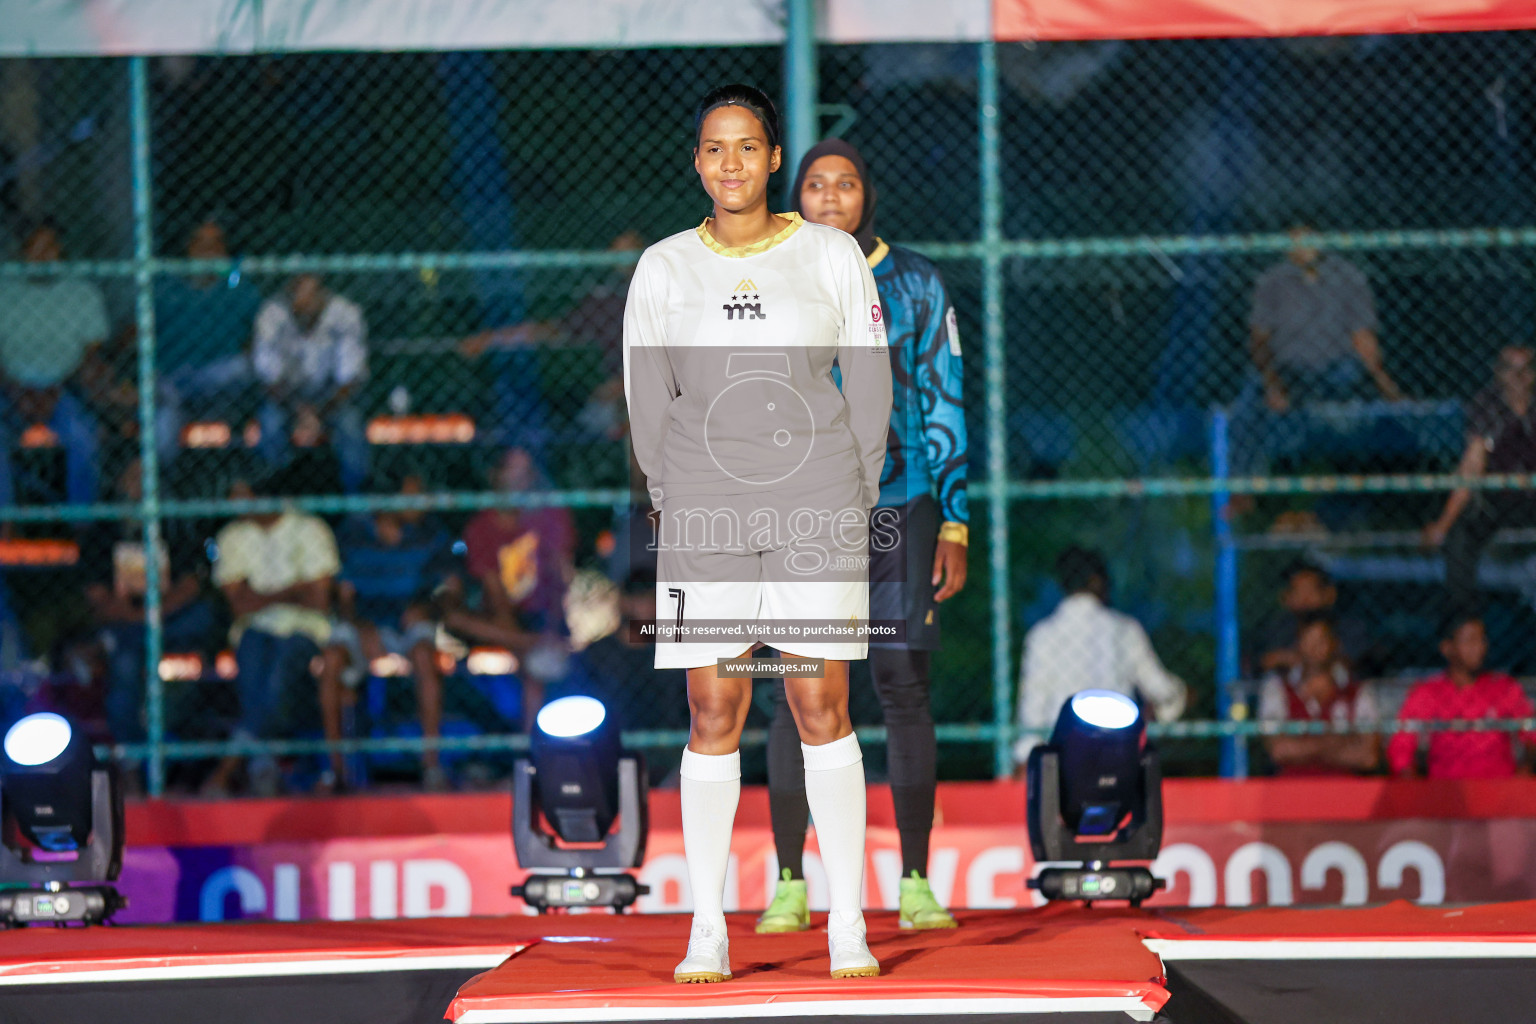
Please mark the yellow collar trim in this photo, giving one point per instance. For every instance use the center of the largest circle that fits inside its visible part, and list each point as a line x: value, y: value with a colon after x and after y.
x: 881, y: 251
x: 738, y: 251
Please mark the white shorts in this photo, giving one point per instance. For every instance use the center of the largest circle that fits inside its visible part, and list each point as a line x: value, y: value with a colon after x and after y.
x: 814, y: 573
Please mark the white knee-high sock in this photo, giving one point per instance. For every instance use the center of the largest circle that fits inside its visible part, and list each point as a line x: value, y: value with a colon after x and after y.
x: 834, y: 787
x: 711, y: 788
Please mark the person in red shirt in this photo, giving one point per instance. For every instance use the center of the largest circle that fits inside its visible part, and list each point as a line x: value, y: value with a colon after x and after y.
x: 1320, y: 688
x: 1462, y: 692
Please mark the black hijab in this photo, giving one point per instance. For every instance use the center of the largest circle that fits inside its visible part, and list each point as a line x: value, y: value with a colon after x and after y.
x: 865, y: 232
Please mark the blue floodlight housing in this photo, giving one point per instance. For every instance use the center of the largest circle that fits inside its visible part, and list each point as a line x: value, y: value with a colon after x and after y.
x: 575, y: 752
x: 46, y: 767
x: 1099, y: 735
x: 1095, y: 797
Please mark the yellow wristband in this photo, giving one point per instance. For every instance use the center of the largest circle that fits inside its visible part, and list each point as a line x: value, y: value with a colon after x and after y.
x: 959, y: 533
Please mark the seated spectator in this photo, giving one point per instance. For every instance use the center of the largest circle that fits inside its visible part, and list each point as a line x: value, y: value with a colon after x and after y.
x: 1085, y: 645
x: 1501, y: 438
x: 202, y: 336
x: 50, y: 363
x: 391, y: 562
x: 597, y: 319
x: 523, y: 560
x: 613, y: 668
x: 276, y: 569
x: 619, y: 670
x: 1308, y: 590
x: 1312, y: 337
x: 1463, y: 692
x: 310, y: 355
x: 1319, y: 687
x: 112, y: 553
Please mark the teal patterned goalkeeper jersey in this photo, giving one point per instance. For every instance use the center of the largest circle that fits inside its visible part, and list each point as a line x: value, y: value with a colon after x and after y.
x: 926, y: 450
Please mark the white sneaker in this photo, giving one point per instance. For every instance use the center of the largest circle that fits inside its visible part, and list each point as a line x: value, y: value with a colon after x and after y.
x: 851, y: 957
x: 708, y: 958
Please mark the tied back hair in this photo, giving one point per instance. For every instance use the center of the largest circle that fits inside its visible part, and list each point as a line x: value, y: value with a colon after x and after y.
x: 748, y: 98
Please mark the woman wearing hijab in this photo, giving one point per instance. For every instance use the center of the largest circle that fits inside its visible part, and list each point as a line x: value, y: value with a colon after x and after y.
x: 917, y: 542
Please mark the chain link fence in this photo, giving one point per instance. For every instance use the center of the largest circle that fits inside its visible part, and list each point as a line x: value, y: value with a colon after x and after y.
x: 347, y: 328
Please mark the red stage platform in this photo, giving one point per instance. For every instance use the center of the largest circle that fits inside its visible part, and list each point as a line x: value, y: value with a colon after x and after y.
x: 1399, y: 962
x: 1000, y: 962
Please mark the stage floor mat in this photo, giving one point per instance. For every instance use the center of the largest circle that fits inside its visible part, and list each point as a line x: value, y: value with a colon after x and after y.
x: 997, y: 962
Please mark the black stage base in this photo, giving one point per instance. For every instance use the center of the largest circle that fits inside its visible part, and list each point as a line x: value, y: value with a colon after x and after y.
x: 404, y: 997
x: 1480, y: 991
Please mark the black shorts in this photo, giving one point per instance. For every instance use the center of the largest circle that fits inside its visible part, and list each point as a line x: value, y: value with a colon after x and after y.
x: 901, y: 577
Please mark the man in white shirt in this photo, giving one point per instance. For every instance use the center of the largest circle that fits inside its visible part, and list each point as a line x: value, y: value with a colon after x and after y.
x: 310, y: 354
x: 1085, y: 645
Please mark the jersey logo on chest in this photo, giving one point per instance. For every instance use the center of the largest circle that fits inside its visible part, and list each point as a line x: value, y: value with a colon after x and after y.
x: 746, y: 303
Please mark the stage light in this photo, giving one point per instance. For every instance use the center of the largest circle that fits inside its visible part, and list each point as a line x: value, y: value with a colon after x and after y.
x: 61, y: 825
x: 579, y: 780
x: 37, y: 739
x: 570, y: 717
x: 576, y: 755
x: 1104, y: 709
x: 1099, y: 737
x: 1095, y: 798
x: 48, y: 781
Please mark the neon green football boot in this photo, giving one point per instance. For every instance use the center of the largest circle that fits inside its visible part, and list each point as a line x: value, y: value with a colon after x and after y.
x: 788, y: 911
x: 919, y: 909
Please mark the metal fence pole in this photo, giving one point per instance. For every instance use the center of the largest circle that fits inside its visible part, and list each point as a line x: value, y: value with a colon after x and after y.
x: 800, y: 84
x: 992, y: 345
x: 149, y: 506
x: 1234, y: 751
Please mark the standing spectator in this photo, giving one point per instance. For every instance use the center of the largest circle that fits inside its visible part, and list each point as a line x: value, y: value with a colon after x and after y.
x: 202, y: 340
x: 523, y: 560
x: 310, y: 354
x: 1319, y: 687
x: 112, y: 553
x: 1085, y: 645
x: 1308, y: 590
x: 51, y: 334
x: 1463, y: 692
x: 390, y: 564
x: 1501, y: 438
x: 276, y: 571
x: 1312, y: 337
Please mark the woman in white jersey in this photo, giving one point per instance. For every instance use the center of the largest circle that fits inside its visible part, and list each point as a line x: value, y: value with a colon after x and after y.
x: 763, y: 472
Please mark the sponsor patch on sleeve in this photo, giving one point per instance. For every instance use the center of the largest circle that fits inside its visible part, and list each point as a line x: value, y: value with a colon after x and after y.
x: 877, y: 327
x: 953, y: 326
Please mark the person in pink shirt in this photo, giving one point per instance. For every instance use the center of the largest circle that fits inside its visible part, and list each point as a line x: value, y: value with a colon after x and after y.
x: 1463, y: 692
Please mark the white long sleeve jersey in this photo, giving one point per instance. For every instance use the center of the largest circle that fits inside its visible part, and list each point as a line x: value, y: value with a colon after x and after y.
x: 1083, y: 645
x: 728, y: 359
